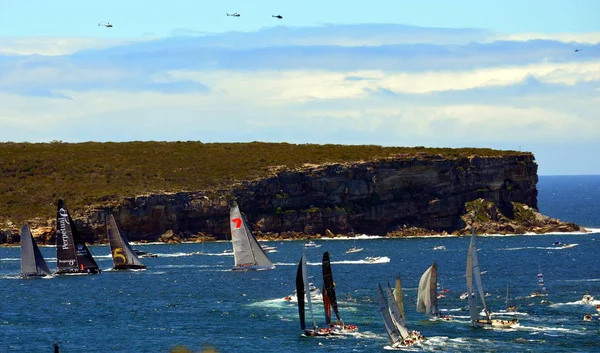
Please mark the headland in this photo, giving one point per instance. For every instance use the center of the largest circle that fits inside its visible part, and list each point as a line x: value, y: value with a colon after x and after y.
x: 181, y: 191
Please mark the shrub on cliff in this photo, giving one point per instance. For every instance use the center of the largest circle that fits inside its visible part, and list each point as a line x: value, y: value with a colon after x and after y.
x: 34, y: 175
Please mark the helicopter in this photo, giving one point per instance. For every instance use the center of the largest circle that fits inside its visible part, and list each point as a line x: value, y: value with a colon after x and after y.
x: 107, y: 24
x: 278, y: 16
x: 235, y: 14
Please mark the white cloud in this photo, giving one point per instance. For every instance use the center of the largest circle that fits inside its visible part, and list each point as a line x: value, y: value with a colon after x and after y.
x: 583, y: 38
x: 55, y: 46
x: 149, y: 91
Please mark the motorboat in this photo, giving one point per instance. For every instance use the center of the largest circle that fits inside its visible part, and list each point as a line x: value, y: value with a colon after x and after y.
x: 440, y: 247
x: 141, y: 253
x: 587, y: 299
x: 587, y: 317
x: 354, y: 249
x: 311, y: 244
x: 372, y: 259
x: 560, y: 244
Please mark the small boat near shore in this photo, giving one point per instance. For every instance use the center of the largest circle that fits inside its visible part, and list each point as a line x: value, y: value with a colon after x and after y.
x: 141, y: 254
x: 311, y: 244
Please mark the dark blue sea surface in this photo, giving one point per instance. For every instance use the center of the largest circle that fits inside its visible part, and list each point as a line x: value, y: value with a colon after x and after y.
x: 196, y: 300
x: 571, y: 198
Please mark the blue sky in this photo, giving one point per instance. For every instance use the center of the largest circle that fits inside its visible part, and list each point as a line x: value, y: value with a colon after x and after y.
x: 405, y: 73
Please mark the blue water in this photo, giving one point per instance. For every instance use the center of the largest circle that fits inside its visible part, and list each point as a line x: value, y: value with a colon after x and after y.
x: 571, y: 198
x: 195, y: 300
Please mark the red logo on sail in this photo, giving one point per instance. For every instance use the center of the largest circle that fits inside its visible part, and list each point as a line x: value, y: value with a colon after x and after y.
x: 238, y: 222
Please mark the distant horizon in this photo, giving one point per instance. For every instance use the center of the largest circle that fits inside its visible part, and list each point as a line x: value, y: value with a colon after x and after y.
x: 390, y: 73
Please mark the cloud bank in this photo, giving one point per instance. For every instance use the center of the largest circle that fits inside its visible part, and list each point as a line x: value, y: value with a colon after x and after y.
x: 350, y: 84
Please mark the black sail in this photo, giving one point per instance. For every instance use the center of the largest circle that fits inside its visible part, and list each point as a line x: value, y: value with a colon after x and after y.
x: 66, y: 257
x: 32, y: 261
x: 122, y: 253
x: 73, y: 256
x: 329, y: 284
x: 300, y: 294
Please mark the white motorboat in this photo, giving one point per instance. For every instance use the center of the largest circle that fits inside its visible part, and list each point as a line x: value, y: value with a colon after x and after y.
x: 311, y: 244
x: 354, y: 249
x: 587, y: 299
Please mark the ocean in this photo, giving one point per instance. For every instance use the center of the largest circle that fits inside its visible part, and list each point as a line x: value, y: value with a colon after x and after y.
x: 195, y: 300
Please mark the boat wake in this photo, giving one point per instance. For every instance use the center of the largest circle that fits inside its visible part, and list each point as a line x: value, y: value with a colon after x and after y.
x: 215, y: 254
x: 376, y: 260
x: 542, y: 329
x: 177, y: 254
x: 577, y: 302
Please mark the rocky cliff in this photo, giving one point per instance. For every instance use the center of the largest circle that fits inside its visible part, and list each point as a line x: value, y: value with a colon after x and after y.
x: 396, y: 195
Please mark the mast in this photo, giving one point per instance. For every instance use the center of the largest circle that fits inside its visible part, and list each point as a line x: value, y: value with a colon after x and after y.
x: 541, y: 282
x: 433, y: 289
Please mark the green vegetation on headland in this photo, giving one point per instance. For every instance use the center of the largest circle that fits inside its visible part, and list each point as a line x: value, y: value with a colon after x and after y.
x: 34, y: 175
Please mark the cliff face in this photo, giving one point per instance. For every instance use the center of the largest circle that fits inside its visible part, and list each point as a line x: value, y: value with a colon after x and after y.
x: 371, y: 197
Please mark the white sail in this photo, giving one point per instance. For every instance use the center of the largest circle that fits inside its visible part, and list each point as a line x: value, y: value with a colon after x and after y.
x: 247, y: 253
x: 477, y: 274
x: 469, y: 273
x: 397, y: 315
x: 390, y: 327
x: 427, y: 292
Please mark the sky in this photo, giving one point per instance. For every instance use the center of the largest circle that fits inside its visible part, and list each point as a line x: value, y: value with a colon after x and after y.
x: 502, y: 74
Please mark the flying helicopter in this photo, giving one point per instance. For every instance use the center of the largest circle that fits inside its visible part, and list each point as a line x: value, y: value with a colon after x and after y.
x: 235, y: 14
x: 107, y: 24
x: 278, y: 16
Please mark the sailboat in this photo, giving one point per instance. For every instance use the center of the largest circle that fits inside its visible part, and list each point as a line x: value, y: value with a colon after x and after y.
x: 427, y: 296
x: 302, y: 287
x: 330, y: 300
x: 392, y: 312
x: 473, y: 270
x: 541, y: 291
x: 72, y: 255
x: 509, y: 307
x: 247, y: 252
x: 33, y: 264
x: 124, y: 258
